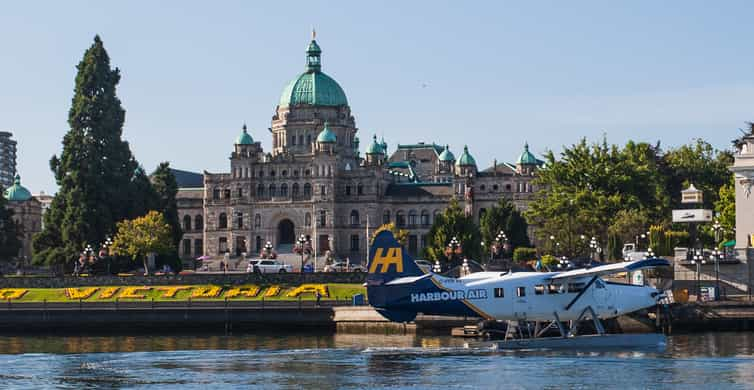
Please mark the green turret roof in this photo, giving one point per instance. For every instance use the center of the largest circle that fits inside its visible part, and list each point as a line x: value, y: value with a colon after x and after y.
x: 466, y: 159
x: 375, y: 147
x: 244, y: 138
x: 16, y: 192
x: 313, y: 87
x: 326, y: 136
x: 527, y: 158
x: 447, y: 155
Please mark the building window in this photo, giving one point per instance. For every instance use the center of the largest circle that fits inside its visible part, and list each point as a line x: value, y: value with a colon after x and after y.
x: 308, y: 220
x: 198, y: 247
x: 400, y: 219
x: 222, y: 221
x: 186, y: 223
x: 323, y: 190
x: 354, y: 243
x: 307, y: 191
x: 294, y: 190
x: 227, y: 193
x: 260, y: 191
x: 261, y: 173
x: 322, y: 217
x: 412, y: 218
x: 425, y: 218
x: 216, y: 193
x: 222, y: 245
x: 187, y: 247
x: 258, y: 245
x: 257, y: 221
x: 240, y: 192
x: 198, y: 222
x: 284, y: 190
x: 482, y: 187
x: 508, y: 187
x: 360, y: 189
x: 412, y: 245
x: 308, y: 139
x: 499, y: 292
x: 386, y: 217
x: 272, y: 172
x: 354, y: 218
x: 285, y: 173
x: 423, y: 242
x: 293, y: 140
x: 239, y: 220
x: 301, y: 139
x: 348, y: 190
x: 272, y: 191
x: 307, y: 172
x: 521, y: 291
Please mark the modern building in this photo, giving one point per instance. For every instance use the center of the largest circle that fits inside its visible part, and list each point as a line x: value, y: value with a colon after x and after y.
x: 7, y: 159
x: 27, y: 213
x: 314, y: 181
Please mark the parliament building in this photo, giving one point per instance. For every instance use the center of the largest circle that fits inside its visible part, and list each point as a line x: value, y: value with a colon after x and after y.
x: 320, y: 181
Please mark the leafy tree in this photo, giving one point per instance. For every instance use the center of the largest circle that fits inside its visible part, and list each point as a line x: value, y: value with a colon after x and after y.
x: 401, y: 235
x: 453, y: 222
x: 504, y: 217
x: 166, y: 188
x: 141, y: 236
x: 95, y: 168
x: 629, y: 224
x: 725, y: 207
x: 699, y: 164
x: 10, y: 242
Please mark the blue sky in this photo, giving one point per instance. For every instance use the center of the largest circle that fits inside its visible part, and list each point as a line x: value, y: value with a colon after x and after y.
x: 490, y: 74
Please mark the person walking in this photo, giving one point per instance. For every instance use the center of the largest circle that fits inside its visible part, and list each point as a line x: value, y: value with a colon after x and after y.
x: 319, y: 297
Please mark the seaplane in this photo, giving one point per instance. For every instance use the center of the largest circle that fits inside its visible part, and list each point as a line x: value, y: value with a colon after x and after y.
x: 399, y: 290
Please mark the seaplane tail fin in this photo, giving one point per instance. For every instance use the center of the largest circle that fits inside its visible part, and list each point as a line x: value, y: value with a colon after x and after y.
x: 388, y: 260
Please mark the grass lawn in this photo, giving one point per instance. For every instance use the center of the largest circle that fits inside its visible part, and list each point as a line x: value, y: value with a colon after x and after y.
x: 98, y: 293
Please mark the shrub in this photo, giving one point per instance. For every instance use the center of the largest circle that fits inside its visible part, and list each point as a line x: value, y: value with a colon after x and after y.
x: 522, y: 254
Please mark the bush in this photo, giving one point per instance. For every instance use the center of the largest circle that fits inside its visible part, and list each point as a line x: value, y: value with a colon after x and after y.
x: 522, y: 254
x: 549, y: 261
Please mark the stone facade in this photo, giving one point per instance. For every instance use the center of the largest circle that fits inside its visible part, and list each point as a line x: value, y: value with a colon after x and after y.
x: 316, y: 183
x: 743, y: 168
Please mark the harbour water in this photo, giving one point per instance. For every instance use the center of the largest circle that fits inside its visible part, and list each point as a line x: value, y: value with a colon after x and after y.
x: 711, y: 360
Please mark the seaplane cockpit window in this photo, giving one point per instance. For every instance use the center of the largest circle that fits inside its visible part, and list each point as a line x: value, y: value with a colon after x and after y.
x: 521, y: 291
x: 575, y: 287
x: 539, y: 289
x: 599, y: 284
x: 499, y: 292
x: 555, y: 289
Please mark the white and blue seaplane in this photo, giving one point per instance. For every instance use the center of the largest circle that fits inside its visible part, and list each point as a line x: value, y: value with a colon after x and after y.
x: 398, y: 289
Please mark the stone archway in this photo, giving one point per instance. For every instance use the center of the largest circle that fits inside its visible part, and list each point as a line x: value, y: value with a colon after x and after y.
x: 286, y: 232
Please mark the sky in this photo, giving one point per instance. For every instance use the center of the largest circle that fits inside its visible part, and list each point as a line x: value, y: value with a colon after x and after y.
x: 492, y: 75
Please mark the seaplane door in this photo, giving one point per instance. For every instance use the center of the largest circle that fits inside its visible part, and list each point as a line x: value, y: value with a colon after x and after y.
x: 521, y: 305
x: 600, y: 293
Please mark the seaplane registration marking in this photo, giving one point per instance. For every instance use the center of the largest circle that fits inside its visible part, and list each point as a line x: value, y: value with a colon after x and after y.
x: 455, y: 295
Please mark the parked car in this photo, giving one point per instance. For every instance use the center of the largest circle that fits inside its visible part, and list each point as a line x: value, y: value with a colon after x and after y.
x: 424, y: 265
x: 268, y: 266
x: 341, y: 266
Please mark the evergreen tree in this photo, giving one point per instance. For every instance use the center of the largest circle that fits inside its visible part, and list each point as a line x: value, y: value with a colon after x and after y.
x: 95, y: 168
x: 453, y: 222
x: 144, y: 196
x: 10, y: 243
x: 166, y: 188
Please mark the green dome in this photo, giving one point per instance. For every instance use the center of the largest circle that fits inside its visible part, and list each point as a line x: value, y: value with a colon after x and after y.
x: 466, y: 160
x: 244, y: 138
x: 375, y: 147
x: 527, y: 158
x: 326, y: 136
x: 447, y: 155
x: 16, y: 192
x: 313, y: 87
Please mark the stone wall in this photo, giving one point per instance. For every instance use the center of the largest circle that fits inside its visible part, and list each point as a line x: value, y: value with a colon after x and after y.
x: 218, y: 279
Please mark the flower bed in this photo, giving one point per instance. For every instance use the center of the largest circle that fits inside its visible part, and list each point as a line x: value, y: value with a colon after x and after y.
x: 248, y: 292
x: 77, y: 293
x: 206, y: 292
x: 108, y: 292
x: 309, y: 288
x: 12, y: 293
x: 133, y: 292
x: 171, y: 291
x: 272, y: 291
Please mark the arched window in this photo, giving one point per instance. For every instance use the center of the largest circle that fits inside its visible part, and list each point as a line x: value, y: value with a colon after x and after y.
x: 186, y: 223
x: 307, y: 172
x: 257, y: 221
x: 425, y: 218
x: 386, y: 217
x: 322, y: 217
x: 272, y: 191
x: 308, y: 220
x: 215, y: 193
x: 400, y: 219
x: 354, y: 218
x: 227, y: 193
x: 307, y: 190
x: 294, y: 190
x: 285, y: 173
x: 222, y: 221
x: 412, y: 218
x: 239, y: 220
x: 199, y: 222
x: 360, y: 189
x: 260, y: 191
x: 284, y: 190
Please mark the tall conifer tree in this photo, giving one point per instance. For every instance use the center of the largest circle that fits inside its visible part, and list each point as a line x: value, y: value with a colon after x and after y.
x: 166, y: 188
x: 95, y: 169
x: 10, y: 243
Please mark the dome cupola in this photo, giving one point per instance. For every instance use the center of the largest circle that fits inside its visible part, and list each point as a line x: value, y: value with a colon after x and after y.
x: 375, y: 147
x: 447, y: 155
x: 466, y: 160
x: 313, y: 87
x: 17, y: 192
x: 326, y: 136
x: 527, y: 158
x: 244, y: 138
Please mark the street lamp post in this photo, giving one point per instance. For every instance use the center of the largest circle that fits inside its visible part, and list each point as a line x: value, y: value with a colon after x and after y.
x: 698, y: 260
x: 453, y: 248
x: 592, y: 247
x: 717, y: 254
x: 302, y: 245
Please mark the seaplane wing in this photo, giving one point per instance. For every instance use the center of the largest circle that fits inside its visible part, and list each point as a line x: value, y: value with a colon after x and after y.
x: 610, y: 269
